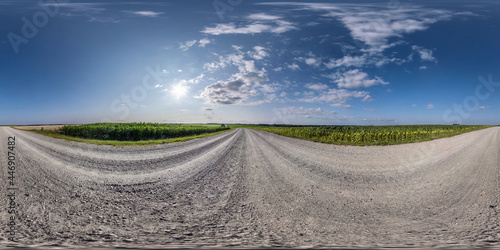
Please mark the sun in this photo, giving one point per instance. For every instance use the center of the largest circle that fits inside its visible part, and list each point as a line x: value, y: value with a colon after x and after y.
x: 179, y: 90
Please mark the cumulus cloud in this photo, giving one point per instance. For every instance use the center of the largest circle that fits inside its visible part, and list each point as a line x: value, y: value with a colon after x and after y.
x: 238, y: 59
x: 430, y: 106
x: 236, y: 90
x: 312, y: 60
x: 258, y: 53
x: 355, y: 78
x: 203, y: 42
x: 293, y: 66
x: 425, y: 54
x: 317, y: 86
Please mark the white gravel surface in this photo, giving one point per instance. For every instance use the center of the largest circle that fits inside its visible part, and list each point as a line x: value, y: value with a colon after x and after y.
x: 249, y: 188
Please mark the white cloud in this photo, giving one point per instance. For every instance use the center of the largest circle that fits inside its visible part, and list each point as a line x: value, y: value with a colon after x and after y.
x: 78, y: 7
x: 425, y: 54
x: 367, y: 98
x: 348, y: 61
x: 195, y: 80
x: 430, y: 106
x: 374, y: 28
x: 146, y: 13
x: 312, y: 23
x: 355, y: 78
x: 317, y: 86
x: 313, y: 61
x: 414, y: 105
x: 341, y: 105
x: 340, y: 96
x: 158, y: 86
x: 203, y: 42
x: 293, y: 67
x: 185, y: 46
x: 249, y: 66
x: 224, y: 61
x: 103, y: 20
x: 235, y: 59
x: 259, y: 53
x: 375, y: 25
x: 236, y: 90
x: 257, y: 23
x: 422, y: 67
x: 253, y: 28
x: 263, y: 17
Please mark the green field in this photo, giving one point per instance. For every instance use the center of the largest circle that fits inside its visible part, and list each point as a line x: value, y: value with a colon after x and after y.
x: 368, y: 135
x: 137, y: 131
x: 133, y: 134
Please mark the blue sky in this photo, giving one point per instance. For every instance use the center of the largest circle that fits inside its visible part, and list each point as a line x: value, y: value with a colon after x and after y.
x: 241, y: 61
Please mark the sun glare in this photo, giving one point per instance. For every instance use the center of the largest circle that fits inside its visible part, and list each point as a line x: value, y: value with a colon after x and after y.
x: 179, y: 91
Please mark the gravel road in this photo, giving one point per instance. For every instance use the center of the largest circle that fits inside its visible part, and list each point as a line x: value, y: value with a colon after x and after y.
x: 249, y: 188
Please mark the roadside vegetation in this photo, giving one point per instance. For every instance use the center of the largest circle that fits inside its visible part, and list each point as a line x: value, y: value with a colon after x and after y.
x: 142, y: 134
x: 137, y: 131
x: 133, y: 134
x: 367, y: 135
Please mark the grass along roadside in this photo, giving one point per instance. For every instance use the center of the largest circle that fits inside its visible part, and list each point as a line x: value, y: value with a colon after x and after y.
x: 367, y: 135
x: 58, y: 135
x: 340, y: 135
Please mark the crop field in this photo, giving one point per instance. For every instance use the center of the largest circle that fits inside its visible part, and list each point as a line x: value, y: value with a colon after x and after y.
x: 369, y: 135
x: 137, y: 131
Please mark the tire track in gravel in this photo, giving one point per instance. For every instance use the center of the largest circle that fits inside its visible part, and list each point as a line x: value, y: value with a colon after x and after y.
x: 251, y: 188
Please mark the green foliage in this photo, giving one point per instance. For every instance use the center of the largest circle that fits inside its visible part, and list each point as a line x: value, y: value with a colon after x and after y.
x: 369, y: 135
x: 137, y: 131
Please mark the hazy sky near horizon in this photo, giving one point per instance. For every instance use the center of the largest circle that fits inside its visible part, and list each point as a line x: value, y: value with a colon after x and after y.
x: 242, y: 61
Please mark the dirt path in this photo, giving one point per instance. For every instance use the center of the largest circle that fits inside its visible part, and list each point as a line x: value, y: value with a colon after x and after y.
x: 248, y: 188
